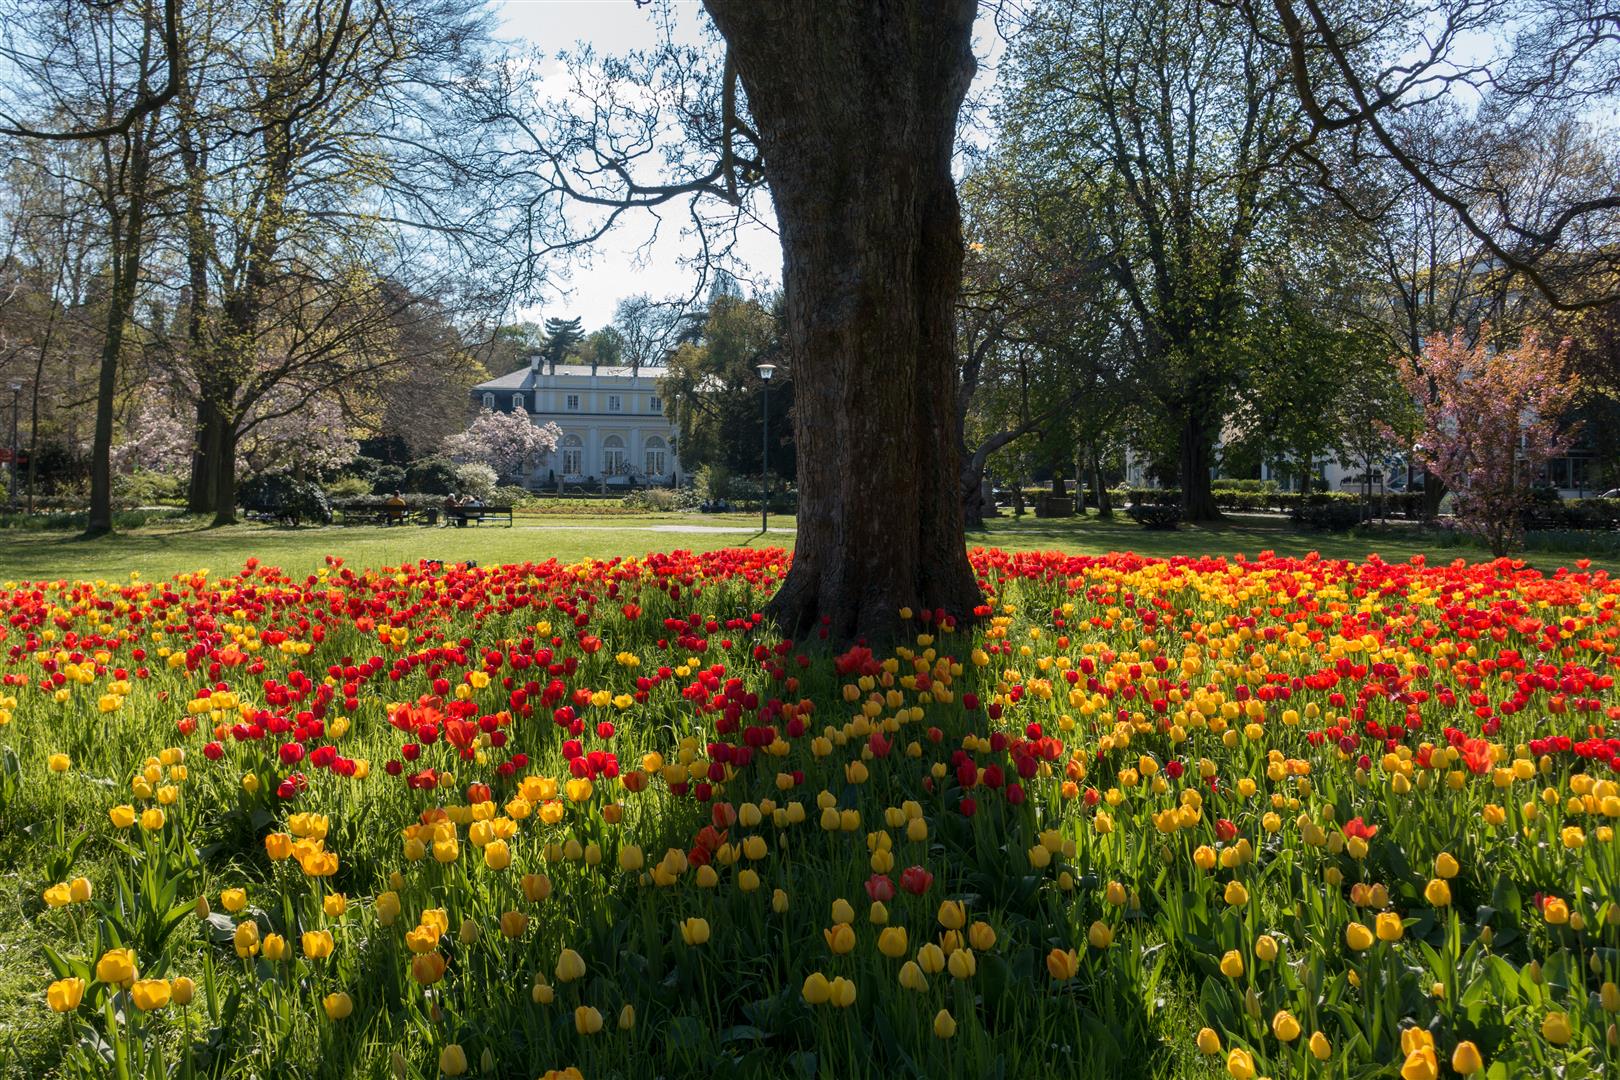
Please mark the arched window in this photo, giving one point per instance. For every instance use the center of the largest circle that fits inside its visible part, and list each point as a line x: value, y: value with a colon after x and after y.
x: 573, y: 455
x: 613, y: 459
x: 657, y: 456
x: 489, y: 402
x: 517, y: 403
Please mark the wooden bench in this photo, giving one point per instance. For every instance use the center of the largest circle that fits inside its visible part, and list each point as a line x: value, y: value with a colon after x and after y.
x: 462, y: 516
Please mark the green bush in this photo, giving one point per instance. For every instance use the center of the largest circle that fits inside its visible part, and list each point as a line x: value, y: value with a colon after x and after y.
x: 288, y: 499
x: 146, y: 488
x: 349, y: 487
x: 659, y: 499
x: 388, y: 479
x: 430, y: 476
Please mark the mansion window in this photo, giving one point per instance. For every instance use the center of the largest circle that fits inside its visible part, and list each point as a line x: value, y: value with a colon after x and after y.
x: 517, y: 403
x: 573, y: 455
x: 655, y: 405
x: 657, y: 456
x: 489, y: 402
x: 613, y: 459
x: 572, y: 403
x: 615, y: 403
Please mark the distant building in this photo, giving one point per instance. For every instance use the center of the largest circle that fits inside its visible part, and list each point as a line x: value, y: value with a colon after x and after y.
x: 615, y: 427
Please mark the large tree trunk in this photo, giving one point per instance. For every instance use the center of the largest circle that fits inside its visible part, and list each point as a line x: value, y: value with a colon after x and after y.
x: 1196, y: 453
x: 224, y: 485
x: 856, y: 104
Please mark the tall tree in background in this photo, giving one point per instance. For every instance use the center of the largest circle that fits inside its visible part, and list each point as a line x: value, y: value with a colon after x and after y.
x: 1185, y: 121
x: 562, y: 336
x: 714, y: 389
x: 99, y: 75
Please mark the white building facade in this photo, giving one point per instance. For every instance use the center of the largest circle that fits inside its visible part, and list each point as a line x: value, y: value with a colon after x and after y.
x: 616, y: 428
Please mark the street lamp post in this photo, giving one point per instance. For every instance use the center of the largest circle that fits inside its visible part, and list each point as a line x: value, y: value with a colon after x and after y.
x: 16, y: 399
x: 766, y: 370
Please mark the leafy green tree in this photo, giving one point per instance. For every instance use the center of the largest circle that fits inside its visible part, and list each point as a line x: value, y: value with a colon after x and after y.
x: 714, y: 386
x: 1182, y: 119
x: 562, y: 337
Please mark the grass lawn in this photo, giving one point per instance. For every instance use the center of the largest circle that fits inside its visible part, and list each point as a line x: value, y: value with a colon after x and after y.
x: 163, y: 550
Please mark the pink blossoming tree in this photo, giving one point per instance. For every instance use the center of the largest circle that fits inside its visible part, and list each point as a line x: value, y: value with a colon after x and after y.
x: 1490, y: 421
x: 505, y: 441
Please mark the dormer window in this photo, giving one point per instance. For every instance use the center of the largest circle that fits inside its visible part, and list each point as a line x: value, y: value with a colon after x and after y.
x: 517, y: 403
x: 489, y: 402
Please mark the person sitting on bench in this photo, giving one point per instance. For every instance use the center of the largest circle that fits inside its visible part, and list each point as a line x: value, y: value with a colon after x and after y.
x: 452, y: 511
x: 395, y: 509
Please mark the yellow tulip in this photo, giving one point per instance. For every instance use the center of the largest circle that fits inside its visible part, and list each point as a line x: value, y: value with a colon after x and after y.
x: 1389, y: 926
x: 695, y: 931
x: 1437, y: 893
x: 1062, y: 964
x: 275, y: 947
x: 1466, y: 1059
x: 116, y: 966
x: 627, y: 1017
x: 1555, y: 1029
x: 80, y: 890
x: 840, y: 938
x: 1284, y: 1026
x: 1099, y: 936
x: 1208, y: 1041
x: 944, y: 1024
x: 64, y: 995
x: 587, y: 1020
x: 1232, y: 964
x: 1445, y: 866
x: 842, y: 992
x: 570, y: 966
x: 952, y: 915
x: 338, y: 1006
x: 912, y: 977
x: 892, y: 942
x: 962, y: 964
x: 1321, y: 1049
x: 1237, y: 896
x: 1358, y: 937
x: 1240, y: 1064
x: 497, y: 856
x: 317, y: 944
x: 453, y: 1060
x: 150, y: 994
x: 122, y: 817
x: 233, y: 900
x: 816, y: 990
x: 1421, y: 1064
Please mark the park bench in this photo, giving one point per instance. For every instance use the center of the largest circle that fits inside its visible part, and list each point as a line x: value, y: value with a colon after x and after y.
x: 477, y: 515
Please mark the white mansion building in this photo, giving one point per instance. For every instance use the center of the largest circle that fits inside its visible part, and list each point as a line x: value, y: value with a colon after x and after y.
x: 615, y: 429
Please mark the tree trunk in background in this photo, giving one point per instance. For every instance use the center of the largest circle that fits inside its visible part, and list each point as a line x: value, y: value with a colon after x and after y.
x: 1196, y: 453
x: 126, y: 206
x: 856, y: 104
x: 1105, y: 505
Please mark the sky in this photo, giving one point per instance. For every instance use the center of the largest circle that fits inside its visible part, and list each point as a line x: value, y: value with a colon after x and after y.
x: 617, y: 268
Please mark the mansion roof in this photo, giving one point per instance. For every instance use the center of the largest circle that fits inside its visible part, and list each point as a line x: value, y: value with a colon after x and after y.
x: 529, y: 378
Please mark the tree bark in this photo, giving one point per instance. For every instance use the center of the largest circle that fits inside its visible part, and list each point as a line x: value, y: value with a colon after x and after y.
x: 856, y: 104
x: 1196, y: 456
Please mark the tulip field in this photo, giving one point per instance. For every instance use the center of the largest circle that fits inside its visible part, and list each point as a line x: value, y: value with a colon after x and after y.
x: 1268, y: 817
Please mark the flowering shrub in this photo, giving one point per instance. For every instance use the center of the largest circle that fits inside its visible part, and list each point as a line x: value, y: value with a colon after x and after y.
x: 545, y: 820
x: 1491, y: 421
